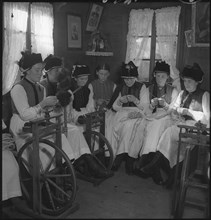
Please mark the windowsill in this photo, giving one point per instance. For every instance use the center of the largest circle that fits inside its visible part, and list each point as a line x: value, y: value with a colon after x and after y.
x: 93, y: 53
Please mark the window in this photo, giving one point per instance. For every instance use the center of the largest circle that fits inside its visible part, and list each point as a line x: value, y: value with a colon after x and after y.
x: 42, y: 28
x: 26, y: 26
x: 153, y: 36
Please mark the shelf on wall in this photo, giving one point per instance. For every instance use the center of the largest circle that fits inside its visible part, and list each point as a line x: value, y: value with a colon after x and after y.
x: 93, y: 53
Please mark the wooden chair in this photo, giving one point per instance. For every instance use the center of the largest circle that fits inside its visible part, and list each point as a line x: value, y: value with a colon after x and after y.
x: 194, y: 168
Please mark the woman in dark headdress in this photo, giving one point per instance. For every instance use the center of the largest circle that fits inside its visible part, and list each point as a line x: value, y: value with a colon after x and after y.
x: 192, y: 105
x: 162, y: 97
x: 83, y: 101
x: 29, y: 101
x: 131, y: 104
x: 58, y: 83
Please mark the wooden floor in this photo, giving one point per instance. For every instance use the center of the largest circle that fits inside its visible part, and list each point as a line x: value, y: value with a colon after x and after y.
x: 123, y: 196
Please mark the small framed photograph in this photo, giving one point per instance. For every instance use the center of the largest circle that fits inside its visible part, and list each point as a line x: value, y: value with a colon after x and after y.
x: 201, y: 24
x: 74, y: 31
x: 94, y: 17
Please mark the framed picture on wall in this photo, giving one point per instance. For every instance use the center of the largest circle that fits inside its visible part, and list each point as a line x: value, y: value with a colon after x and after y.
x: 74, y: 31
x: 94, y: 17
x: 201, y: 24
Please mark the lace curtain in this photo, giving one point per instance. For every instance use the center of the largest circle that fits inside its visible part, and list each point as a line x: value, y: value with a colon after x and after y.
x: 15, y: 16
x: 42, y: 28
x: 14, y: 37
x: 140, y: 23
x: 167, y: 22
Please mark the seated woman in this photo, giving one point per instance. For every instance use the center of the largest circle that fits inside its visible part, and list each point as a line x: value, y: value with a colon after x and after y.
x: 54, y: 70
x: 192, y: 105
x: 128, y: 131
x: 103, y: 89
x: 83, y: 101
x: 162, y: 97
x: 11, y: 188
x: 29, y: 102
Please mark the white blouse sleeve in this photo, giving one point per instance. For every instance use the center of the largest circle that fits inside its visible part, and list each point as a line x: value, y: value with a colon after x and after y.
x: 116, y: 105
x: 178, y: 100
x: 90, y: 107
x: 174, y: 96
x: 19, y: 97
x: 206, y: 106
x: 144, y: 99
x: 203, y: 116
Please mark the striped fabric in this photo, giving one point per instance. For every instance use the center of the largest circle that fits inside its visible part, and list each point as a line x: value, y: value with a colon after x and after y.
x: 102, y: 90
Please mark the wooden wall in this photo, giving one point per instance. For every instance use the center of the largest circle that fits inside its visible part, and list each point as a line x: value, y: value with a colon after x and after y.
x: 114, y: 23
x: 200, y: 55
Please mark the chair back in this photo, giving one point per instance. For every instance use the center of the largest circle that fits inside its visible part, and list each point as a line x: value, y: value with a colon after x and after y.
x: 199, y: 138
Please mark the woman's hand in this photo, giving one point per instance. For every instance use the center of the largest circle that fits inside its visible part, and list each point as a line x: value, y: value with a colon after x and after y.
x: 48, y: 101
x: 154, y: 102
x: 101, y: 102
x: 162, y: 102
x: 132, y: 98
x: 123, y: 99
x: 183, y: 111
x: 176, y: 116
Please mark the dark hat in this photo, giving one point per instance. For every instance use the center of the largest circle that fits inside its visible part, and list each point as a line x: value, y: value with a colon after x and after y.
x: 52, y: 62
x: 129, y: 70
x: 80, y: 70
x: 162, y: 67
x: 28, y: 60
x: 194, y: 72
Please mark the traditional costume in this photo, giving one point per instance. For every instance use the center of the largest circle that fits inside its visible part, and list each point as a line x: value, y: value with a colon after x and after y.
x: 128, y: 133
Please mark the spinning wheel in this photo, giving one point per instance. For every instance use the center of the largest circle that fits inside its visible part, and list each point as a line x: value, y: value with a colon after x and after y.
x: 47, y: 176
x: 98, y: 144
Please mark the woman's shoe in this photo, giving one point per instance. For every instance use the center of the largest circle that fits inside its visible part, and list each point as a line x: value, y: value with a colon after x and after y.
x: 157, y: 178
x: 141, y: 174
x: 95, y: 168
x: 168, y: 184
x: 129, y: 165
x: 155, y: 162
x: 118, y: 160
